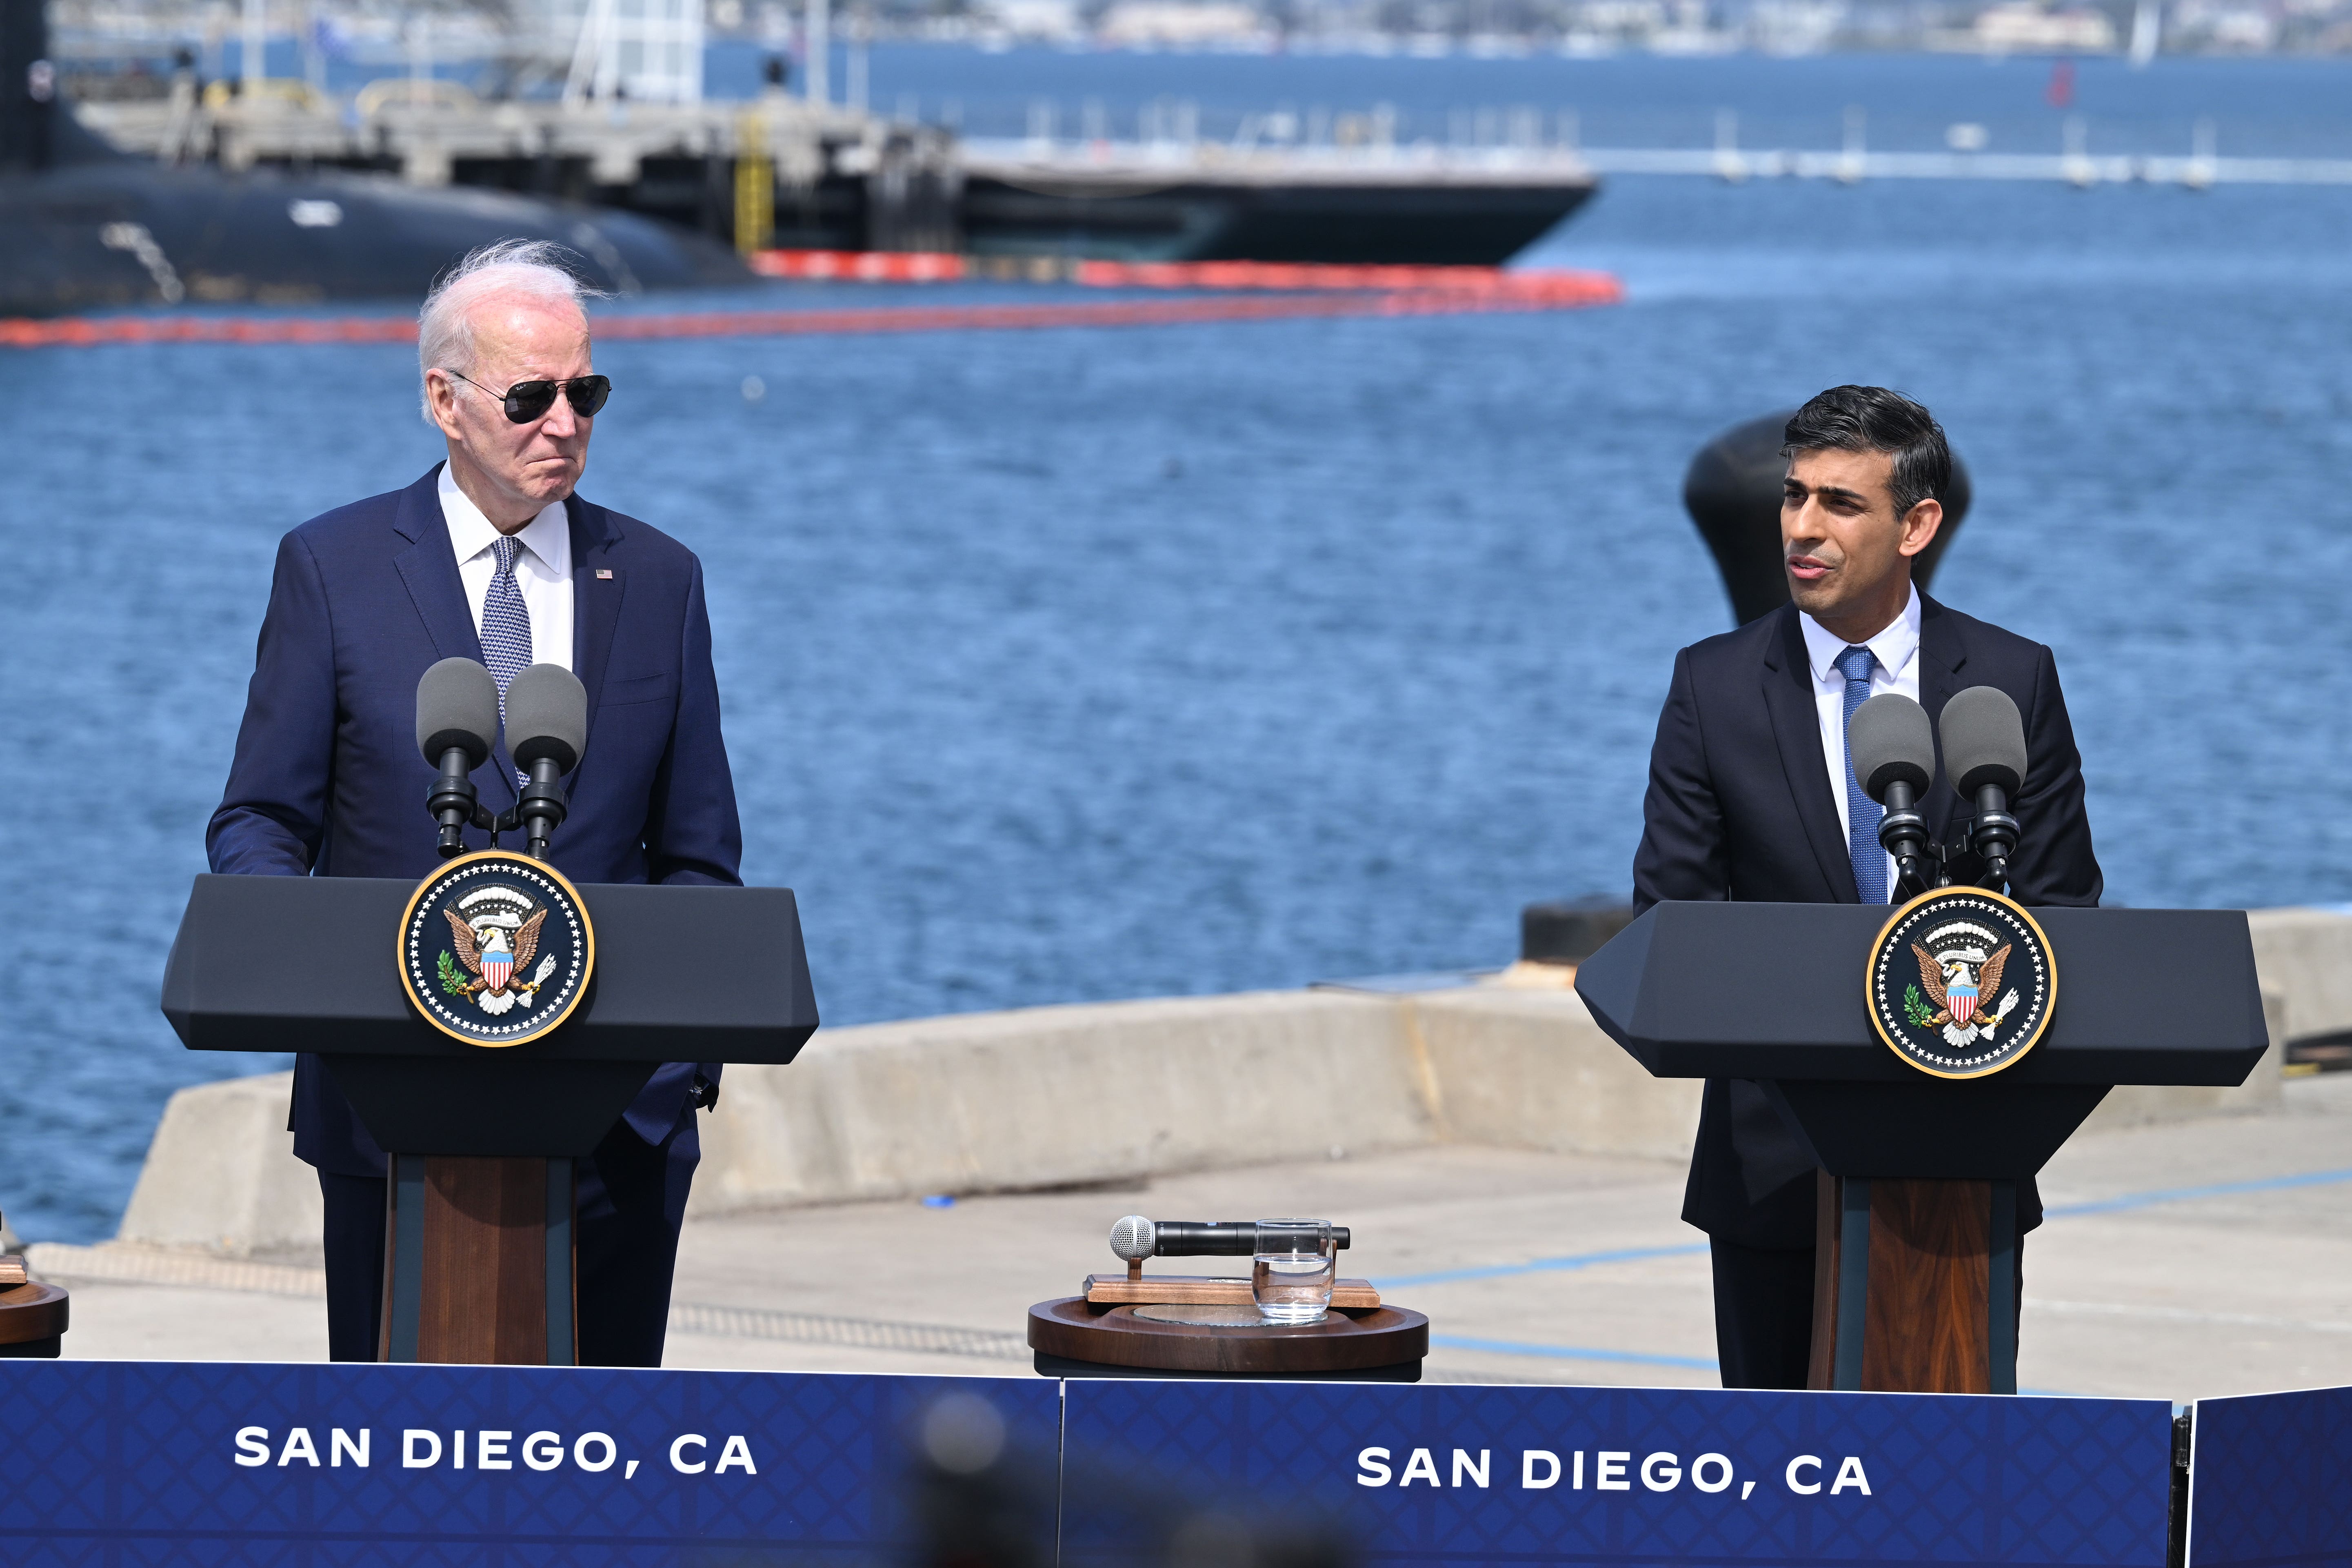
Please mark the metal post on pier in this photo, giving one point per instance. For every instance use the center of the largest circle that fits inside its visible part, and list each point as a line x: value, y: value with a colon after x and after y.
x: 2078, y: 170
x: 1729, y: 166
x: 755, y: 184
x: 253, y: 51
x: 817, y: 76
x: 861, y: 35
x: 1850, y: 161
x: 314, y: 53
x: 2202, y: 147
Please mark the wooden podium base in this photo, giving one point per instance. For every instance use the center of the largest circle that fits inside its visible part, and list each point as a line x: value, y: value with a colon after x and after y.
x: 479, y: 1262
x: 1915, y: 1286
x: 33, y: 1321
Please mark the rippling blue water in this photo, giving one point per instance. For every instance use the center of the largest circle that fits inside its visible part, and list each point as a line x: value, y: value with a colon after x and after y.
x: 1105, y: 663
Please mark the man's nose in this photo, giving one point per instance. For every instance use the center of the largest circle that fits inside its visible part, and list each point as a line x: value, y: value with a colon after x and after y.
x: 562, y: 422
x: 1803, y: 521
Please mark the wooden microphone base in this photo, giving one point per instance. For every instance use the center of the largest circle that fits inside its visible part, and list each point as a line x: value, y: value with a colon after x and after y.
x: 1206, y: 1290
x: 1074, y: 1338
x: 33, y: 1320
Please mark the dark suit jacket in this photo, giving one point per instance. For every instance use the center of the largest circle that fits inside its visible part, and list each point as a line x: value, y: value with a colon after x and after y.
x: 1740, y: 807
x: 328, y: 781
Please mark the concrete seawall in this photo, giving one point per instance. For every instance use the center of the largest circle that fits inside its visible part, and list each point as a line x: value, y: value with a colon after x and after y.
x: 1066, y: 1096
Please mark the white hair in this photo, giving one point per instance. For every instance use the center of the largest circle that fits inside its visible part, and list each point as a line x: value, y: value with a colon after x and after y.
x: 533, y: 267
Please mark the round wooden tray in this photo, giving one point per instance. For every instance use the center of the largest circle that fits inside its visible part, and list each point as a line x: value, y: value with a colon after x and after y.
x: 32, y: 1317
x: 1072, y: 1329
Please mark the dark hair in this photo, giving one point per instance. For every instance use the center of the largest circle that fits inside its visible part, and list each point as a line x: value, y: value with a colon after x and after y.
x: 1872, y: 419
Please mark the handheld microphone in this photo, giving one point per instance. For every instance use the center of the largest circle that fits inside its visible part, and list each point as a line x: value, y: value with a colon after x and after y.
x: 457, y: 720
x: 546, y: 728
x: 1892, y: 744
x: 1136, y: 1238
x: 1984, y: 756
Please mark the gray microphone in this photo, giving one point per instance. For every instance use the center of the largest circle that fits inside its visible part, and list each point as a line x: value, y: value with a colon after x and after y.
x: 1136, y: 1238
x: 1984, y: 756
x: 547, y: 729
x: 1892, y: 744
x: 456, y: 725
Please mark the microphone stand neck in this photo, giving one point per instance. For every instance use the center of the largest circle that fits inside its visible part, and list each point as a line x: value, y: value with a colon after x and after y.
x: 1994, y: 835
x: 540, y: 810
x: 1902, y: 832
x: 454, y: 803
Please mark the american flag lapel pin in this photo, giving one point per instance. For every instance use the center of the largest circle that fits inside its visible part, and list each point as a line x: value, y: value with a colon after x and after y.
x: 604, y: 573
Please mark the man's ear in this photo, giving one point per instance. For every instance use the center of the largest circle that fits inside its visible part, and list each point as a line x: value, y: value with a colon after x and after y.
x: 1919, y: 526
x: 441, y: 396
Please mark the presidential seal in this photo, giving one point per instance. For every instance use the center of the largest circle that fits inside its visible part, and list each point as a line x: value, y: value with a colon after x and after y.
x: 1961, y: 983
x: 495, y: 948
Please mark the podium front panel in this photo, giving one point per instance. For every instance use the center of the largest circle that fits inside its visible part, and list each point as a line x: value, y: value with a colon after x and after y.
x: 683, y: 974
x: 1776, y: 991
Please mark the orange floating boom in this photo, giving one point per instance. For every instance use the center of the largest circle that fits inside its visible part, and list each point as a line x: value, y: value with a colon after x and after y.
x: 1527, y: 291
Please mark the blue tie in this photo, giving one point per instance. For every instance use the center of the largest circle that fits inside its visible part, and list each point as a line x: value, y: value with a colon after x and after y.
x: 506, y: 627
x: 1862, y: 812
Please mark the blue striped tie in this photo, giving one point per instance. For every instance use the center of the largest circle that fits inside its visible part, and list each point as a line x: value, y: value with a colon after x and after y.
x: 506, y: 627
x: 1862, y: 814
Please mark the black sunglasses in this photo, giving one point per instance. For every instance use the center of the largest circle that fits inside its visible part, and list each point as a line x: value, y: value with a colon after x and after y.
x: 529, y: 400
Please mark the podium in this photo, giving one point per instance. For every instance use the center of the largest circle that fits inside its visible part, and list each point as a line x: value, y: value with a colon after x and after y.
x: 1916, y: 1260
x: 479, y: 1245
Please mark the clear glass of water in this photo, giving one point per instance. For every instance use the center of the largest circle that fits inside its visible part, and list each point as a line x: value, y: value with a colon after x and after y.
x: 1290, y: 1276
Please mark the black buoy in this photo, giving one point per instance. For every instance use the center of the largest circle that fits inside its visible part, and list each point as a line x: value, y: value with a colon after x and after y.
x: 1733, y: 493
x: 1570, y: 933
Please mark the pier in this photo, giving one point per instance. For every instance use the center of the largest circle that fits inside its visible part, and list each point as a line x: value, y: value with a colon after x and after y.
x: 774, y: 169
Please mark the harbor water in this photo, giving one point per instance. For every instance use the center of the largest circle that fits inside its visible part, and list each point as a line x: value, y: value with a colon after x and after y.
x: 1085, y: 664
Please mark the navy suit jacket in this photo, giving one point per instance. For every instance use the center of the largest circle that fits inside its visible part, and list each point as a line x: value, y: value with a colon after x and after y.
x: 1740, y: 807
x: 328, y: 780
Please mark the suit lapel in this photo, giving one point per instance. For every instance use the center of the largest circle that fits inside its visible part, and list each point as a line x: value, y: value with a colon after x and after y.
x: 1941, y: 654
x: 597, y: 588
x: 429, y: 567
x: 1797, y: 727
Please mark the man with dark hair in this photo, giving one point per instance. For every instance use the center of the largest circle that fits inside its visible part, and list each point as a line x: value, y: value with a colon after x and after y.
x: 1751, y: 797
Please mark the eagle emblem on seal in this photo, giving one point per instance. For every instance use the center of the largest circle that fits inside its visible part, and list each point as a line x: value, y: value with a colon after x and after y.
x: 1957, y: 974
x: 495, y: 938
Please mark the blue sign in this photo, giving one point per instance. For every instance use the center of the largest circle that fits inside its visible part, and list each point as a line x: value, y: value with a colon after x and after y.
x: 327, y: 1465
x: 1466, y: 1474
x: 2270, y: 1483
x: 150, y: 1462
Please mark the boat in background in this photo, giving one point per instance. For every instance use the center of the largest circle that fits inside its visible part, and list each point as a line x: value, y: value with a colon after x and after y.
x: 1206, y: 202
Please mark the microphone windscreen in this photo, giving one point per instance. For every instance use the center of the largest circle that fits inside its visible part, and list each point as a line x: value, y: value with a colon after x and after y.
x: 547, y: 716
x: 1891, y: 739
x: 456, y: 705
x: 1984, y: 741
x: 1132, y: 1239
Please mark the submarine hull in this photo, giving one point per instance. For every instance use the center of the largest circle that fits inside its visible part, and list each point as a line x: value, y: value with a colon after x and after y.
x: 112, y: 234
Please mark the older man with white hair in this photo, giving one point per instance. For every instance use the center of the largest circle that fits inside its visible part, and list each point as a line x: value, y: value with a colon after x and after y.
x: 492, y: 555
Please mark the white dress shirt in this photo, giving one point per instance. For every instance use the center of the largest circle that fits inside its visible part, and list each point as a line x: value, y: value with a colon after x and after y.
x: 543, y: 568
x: 1897, y: 651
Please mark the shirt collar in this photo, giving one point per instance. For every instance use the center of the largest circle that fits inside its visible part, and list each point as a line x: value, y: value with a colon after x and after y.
x: 1894, y: 647
x: 546, y: 536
